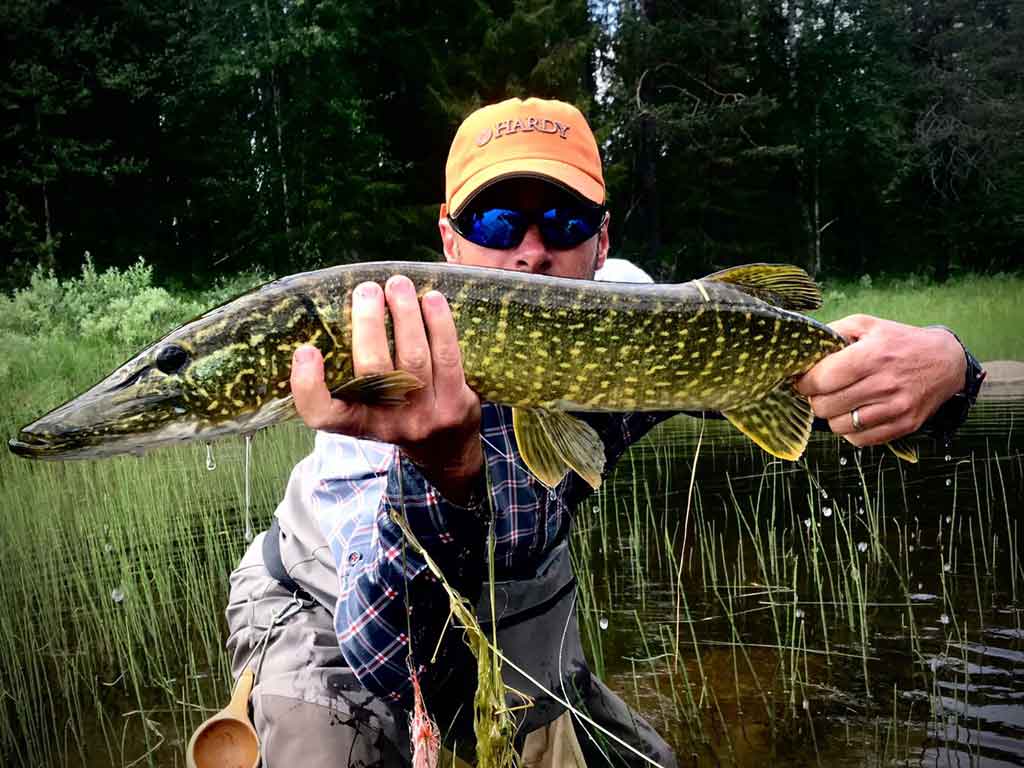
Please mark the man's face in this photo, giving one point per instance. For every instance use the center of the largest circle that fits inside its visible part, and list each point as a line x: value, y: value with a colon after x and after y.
x: 531, y: 255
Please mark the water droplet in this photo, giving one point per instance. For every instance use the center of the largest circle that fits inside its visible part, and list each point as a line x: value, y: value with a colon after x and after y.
x: 948, y: 457
x: 824, y: 493
x: 910, y: 548
x: 949, y: 518
x: 862, y: 546
x: 860, y: 510
x: 807, y: 523
x: 827, y: 511
x: 806, y: 704
x: 943, y: 619
x: 842, y: 461
x: 799, y: 613
x: 603, y: 622
x: 179, y: 410
x: 210, y: 463
x: 596, y: 510
x: 108, y: 547
x: 117, y: 595
x: 947, y: 567
x: 949, y: 481
x: 920, y: 586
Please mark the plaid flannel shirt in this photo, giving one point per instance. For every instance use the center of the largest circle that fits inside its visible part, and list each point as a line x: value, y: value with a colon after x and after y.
x: 360, y: 482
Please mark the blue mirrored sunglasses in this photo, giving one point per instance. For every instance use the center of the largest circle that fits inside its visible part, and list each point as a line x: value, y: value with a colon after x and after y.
x: 561, y: 227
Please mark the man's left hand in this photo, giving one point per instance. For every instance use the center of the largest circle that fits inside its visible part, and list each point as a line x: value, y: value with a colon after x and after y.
x: 896, y: 375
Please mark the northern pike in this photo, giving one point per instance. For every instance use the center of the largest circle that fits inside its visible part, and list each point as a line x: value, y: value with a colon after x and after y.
x: 547, y: 346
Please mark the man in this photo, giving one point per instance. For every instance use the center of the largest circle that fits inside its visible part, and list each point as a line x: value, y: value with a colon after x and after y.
x: 524, y: 191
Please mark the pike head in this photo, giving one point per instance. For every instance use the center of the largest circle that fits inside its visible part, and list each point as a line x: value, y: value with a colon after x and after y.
x: 224, y: 373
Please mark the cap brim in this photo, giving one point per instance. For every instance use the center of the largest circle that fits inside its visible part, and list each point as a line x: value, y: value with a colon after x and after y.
x: 563, y: 174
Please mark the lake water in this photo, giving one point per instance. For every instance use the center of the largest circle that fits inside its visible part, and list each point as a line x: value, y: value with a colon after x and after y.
x: 850, y: 610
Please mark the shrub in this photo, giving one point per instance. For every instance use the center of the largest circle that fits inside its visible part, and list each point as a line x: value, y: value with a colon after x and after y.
x: 118, y: 305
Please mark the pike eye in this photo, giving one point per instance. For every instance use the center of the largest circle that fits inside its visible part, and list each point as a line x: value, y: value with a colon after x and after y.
x: 171, y: 359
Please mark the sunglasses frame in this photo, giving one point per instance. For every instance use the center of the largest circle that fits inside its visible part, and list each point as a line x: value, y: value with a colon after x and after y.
x: 532, y: 218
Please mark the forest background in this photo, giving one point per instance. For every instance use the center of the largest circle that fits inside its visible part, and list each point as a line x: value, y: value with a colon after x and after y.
x: 209, y: 138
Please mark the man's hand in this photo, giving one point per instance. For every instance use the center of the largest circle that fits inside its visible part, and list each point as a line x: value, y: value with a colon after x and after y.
x: 896, y: 375
x: 439, y: 427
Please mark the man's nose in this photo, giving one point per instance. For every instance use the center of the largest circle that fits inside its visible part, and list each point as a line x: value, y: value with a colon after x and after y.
x: 532, y: 255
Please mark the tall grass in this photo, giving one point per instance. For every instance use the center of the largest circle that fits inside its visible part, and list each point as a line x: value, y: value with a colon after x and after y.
x: 986, y: 311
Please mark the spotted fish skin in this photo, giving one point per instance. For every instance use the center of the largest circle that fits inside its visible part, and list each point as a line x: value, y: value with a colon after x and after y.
x: 533, y: 342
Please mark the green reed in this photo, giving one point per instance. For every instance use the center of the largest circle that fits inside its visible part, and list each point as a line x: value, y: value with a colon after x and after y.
x: 824, y: 570
x: 114, y: 596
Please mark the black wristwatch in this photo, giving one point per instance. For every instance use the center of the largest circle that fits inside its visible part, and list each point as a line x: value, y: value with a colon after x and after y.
x: 953, y: 413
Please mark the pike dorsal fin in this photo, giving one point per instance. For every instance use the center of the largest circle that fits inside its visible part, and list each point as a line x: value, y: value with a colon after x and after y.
x: 780, y: 422
x: 389, y: 388
x: 552, y: 442
x: 783, y: 285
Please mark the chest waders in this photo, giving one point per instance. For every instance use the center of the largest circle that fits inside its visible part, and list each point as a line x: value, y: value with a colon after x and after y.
x: 536, y: 629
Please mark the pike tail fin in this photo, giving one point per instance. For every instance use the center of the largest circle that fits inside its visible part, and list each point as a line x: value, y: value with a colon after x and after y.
x: 904, y: 449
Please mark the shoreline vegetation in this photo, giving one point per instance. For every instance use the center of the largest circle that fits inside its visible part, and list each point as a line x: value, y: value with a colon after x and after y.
x: 116, y: 570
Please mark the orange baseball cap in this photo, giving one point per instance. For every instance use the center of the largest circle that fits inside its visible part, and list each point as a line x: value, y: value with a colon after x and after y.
x: 514, y: 139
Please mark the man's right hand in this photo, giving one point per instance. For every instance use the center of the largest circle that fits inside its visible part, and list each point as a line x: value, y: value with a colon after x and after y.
x: 439, y: 427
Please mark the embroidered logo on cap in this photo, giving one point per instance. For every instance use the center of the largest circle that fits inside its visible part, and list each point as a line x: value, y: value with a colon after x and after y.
x: 530, y: 125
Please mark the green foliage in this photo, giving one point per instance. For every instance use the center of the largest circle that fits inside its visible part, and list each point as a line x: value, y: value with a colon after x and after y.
x: 117, y: 305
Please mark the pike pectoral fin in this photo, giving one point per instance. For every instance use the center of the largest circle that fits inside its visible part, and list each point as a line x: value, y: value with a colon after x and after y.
x: 905, y: 449
x: 780, y: 422
x: 389, y: 388
x: 783, y: 285
x: 551, y: 443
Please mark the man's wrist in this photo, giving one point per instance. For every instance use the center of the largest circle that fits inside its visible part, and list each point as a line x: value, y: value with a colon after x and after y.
x: 974, y: 374
x: 953, y: 412
x: 457, y: 478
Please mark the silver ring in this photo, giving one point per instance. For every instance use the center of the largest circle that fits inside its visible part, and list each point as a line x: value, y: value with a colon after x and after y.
x: 855, y: 417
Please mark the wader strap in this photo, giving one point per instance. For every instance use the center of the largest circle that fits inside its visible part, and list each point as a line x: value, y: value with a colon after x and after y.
x: 275, y: 565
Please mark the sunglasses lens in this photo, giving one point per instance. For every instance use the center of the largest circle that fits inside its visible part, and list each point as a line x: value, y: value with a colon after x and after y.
x: 564, y: 228
x: 499, y: 228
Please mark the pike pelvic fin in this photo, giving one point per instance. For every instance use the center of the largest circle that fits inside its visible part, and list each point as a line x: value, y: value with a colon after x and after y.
x: 904, y: 449
x: 783, y: 285
x: 389, y: 388
x: 551, y: 443
x: 780, y: 422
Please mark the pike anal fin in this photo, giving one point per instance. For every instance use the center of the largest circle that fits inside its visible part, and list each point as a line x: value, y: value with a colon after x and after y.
x: 551, y: 443
x: 780, y: 422
x: 389, y: 388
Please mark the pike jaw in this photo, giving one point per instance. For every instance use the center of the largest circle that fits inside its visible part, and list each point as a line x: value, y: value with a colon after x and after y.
x: 138, y: 406
x: 172, y: 392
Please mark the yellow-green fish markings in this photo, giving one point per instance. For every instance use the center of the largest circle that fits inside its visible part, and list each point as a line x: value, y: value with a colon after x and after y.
x: 730, y: 342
